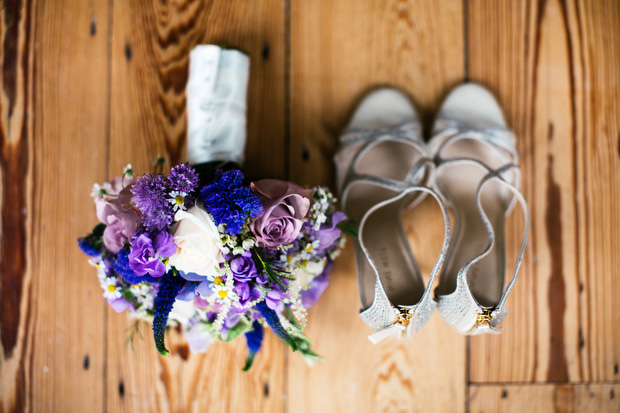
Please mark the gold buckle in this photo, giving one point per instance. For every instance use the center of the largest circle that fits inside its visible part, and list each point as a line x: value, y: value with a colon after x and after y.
x: 404, y: 317
x: 484, y: 317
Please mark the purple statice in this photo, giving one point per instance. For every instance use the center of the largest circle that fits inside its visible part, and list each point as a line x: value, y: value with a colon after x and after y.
x: 147, y: 251
x: 229, y: 201
x: 183, y: 178
x: 149, y: 195
x: 88, y: 248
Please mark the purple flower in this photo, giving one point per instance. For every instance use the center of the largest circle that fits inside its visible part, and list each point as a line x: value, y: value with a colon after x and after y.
x: 198, y: 338
x: 329, y: 233
x: 121, y: 222
x: 274, y: 300
x: 149, y: 195
x: 246, y: 292
x: 120, y: 304
x: 285, y: 206
x: 243, y: 266
x: 145, y: 254
x: 183, y: 178
x: 317, y: 286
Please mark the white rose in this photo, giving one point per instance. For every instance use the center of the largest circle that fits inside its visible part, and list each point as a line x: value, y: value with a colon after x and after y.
x: 198, y: 243
x: 182, y: 311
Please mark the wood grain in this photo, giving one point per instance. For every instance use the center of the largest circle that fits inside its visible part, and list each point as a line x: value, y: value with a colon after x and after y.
x: 88, y: 87
x: 334, y: 61
x: 551, y: 64
x: 545, y: 398
x: 16, y: 129
x: 150, y: 51
x: 55, y: 109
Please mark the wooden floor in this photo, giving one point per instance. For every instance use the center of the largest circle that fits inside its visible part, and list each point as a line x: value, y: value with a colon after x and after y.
x: 88, y: 86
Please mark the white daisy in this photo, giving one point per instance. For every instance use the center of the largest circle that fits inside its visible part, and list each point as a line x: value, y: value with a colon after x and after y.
x: 110, y: 290
x: 177, y: 199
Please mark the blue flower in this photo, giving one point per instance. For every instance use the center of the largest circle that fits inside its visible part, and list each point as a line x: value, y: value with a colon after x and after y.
x: 229, y: 201
x: 167, y: 294
x: 272, y: 319
x: 88, y: 248
x: 254, y: 340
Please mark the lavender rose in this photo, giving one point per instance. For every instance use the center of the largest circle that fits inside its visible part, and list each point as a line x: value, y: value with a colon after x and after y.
x: 285, y: 206
x: 120, y: 218
x: 145, y: 254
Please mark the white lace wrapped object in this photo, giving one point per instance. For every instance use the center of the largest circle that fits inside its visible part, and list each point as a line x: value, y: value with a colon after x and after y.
x: 216, y: 104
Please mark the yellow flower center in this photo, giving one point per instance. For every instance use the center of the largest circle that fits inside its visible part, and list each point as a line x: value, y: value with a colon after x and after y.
x: 179, y: 200
x: 304, y: 262
x: 166, y: 261
x: 218, y: 281
x: 222, y: 293
x: 309, y: 248
x: 111, y: 288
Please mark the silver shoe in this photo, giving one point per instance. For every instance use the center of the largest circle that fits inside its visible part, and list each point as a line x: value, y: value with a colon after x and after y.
x: 477, y: 172
x: 381, y: 167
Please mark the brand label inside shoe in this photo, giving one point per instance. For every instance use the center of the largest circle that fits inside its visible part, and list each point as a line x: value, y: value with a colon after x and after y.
x: 384, y: 269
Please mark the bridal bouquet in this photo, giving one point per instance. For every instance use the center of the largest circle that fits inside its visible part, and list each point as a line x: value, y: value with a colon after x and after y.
x: 204, y: 248
x: 218, y: 255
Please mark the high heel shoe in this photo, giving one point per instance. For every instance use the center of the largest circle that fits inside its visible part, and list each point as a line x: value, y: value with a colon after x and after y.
x: 477, y: 172
x: 382, y: 166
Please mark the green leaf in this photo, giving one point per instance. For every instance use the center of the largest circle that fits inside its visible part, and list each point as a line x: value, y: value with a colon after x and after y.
x: 349, y: 227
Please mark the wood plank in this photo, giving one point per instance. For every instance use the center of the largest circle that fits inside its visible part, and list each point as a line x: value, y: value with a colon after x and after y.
x: 339, y: 50
x: 545, y: 398
x: 16, y: 129
x: 54, y: 109
x: 553, y: 66
x: 150, y: 50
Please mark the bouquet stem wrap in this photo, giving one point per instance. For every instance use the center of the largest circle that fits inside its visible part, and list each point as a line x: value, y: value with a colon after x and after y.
x: 216, y: 104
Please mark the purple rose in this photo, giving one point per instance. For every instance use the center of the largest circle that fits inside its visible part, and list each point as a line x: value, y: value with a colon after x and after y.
x: 145, y: 254
x: 243, y: 267
x: 285, y: 206
x: 329, y: 233
x: 120, y: 218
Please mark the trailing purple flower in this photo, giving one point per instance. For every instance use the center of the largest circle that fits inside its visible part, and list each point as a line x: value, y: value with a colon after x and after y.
x: 168, y: 291
x: 272, y: 319
x: 229, y: 201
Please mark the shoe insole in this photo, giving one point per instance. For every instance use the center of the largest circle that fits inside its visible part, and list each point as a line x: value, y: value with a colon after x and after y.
x: 383, y: 233
x: 459, y: 183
